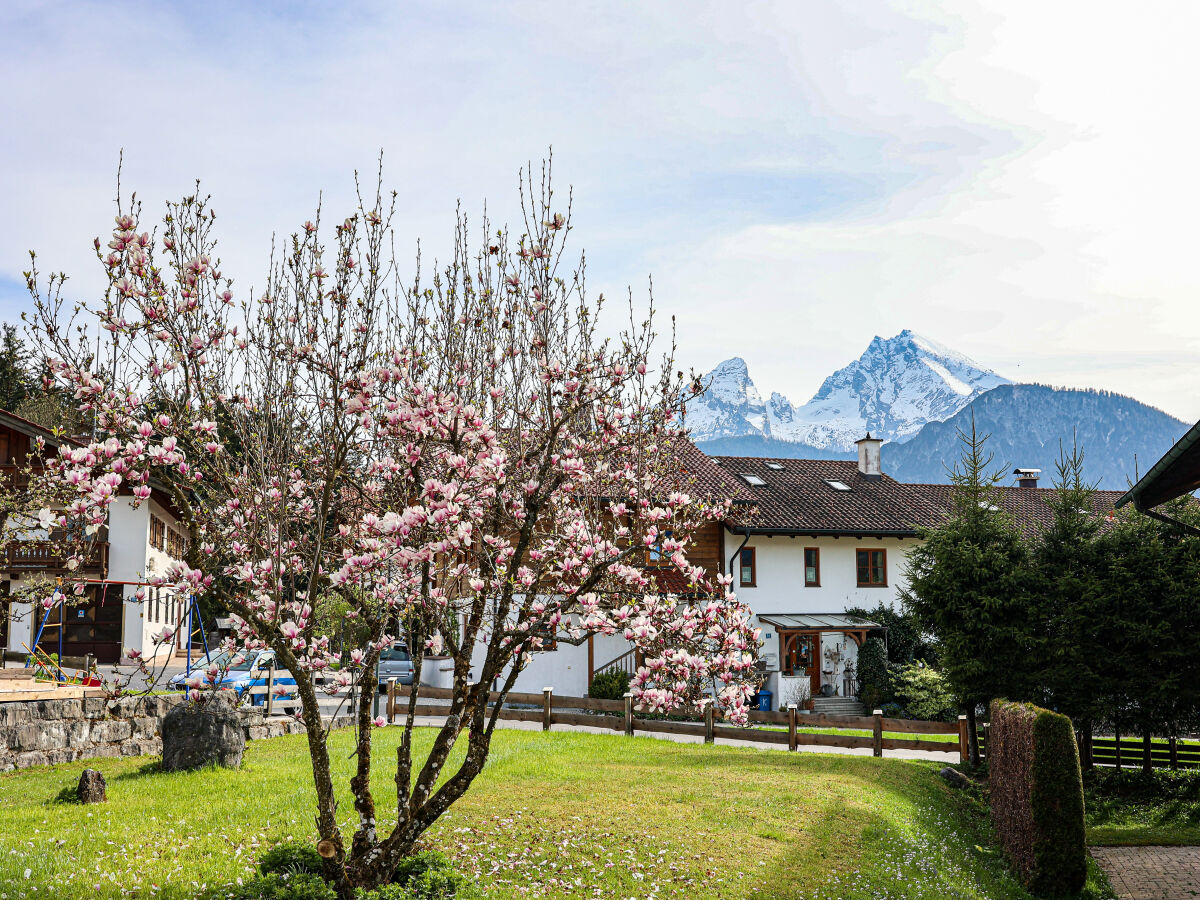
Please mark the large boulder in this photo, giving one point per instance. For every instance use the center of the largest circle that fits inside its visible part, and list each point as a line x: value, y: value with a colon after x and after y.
x: 195, y: 735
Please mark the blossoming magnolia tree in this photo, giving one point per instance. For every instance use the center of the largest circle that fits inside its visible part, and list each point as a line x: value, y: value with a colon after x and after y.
x: 467, y: 464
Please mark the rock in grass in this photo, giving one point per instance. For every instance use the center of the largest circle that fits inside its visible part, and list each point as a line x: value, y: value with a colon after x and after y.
x: 195, y: 735
x: 92, y: 788
x: 955, y: 778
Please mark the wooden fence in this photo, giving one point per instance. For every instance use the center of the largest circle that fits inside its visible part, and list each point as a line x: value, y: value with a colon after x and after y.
x: 1121, y: 752
x: 582, y: 711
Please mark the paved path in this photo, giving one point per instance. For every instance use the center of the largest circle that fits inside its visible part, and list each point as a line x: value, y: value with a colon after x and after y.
x: 1151, y: 873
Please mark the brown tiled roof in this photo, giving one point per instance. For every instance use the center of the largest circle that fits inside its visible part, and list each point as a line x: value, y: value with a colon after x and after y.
x: 711, y: 481
x: 1029, y: 507
x: 797, y: 499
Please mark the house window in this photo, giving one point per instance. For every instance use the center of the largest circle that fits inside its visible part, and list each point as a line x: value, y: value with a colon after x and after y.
x: 654, y: 553
x: 872, y: 568
x: 812, y: 567
x: 748, y: 569
x: 158, y: 533
x: 797, y: 653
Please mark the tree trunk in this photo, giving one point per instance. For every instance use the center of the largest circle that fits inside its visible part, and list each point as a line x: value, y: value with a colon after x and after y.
x: 972, y: 736
x: 1147, y: 763
x: 1085, y: 745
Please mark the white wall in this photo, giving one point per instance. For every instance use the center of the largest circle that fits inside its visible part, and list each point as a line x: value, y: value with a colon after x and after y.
x: 131, y: 560
x: 564, y: 669
x: 20, y: 626
x: 780, y: 589
x: 780, y: 586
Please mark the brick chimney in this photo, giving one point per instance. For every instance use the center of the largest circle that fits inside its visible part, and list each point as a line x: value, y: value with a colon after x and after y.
x: 1027, y: 478
x: 870, y: 463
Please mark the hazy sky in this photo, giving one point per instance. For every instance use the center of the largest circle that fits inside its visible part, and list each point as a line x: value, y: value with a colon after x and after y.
x: 1016, y: 180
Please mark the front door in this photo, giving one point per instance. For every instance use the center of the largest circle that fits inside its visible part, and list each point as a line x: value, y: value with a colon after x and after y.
x: 800, y: 655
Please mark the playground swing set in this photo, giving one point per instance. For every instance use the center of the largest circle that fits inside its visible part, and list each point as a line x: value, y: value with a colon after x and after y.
x: 49, y: 667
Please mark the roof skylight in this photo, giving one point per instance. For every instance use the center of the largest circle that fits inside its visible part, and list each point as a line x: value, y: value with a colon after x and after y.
x: 776, y: 466
x: 837, y: 485
x: 752, y: 479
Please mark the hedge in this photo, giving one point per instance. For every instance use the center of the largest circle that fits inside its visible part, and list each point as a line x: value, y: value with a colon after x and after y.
x: 1036, y: 790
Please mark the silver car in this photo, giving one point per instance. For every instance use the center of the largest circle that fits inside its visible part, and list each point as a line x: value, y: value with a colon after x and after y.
x: 395, y: 662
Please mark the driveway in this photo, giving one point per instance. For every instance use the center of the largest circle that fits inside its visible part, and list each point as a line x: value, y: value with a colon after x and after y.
x: 1151, y: 873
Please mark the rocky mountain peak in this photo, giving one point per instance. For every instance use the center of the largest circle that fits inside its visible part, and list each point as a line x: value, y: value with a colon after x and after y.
x: 895, y: 387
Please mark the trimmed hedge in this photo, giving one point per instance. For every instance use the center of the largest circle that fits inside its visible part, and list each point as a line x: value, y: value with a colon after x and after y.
x: 1036, y: 792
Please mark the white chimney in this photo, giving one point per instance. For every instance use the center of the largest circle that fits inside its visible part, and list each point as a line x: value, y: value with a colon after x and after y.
x: 870, y: 465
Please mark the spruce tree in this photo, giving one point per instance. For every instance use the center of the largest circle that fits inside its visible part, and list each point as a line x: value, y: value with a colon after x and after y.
x: 968, y: 586
x: 1070, y: 640
x: 16, y: 383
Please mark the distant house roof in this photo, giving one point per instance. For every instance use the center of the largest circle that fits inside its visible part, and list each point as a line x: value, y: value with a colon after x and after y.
x: 831, y: 497
x: 31, y: 429
x: 1029, y: 507
x: 1176, y: 474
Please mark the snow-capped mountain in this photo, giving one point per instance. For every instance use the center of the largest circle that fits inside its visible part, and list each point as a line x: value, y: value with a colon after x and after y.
x: 892, y: 390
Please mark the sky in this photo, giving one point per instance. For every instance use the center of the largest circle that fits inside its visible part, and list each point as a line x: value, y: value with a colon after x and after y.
x: 1016, y: 180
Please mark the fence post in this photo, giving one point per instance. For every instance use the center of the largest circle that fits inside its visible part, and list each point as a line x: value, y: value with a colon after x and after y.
x: 547, y: 698
x: 792, y: 744
x: 964, y: 741
x: 391, y: 700
x: 708, y: 722
x: 1174, y: 748
x: 1117, y: 746
x: 628, y: 715
x: 270, y: 690
x: 878, y: 749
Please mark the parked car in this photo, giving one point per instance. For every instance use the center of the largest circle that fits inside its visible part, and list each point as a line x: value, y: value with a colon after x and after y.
x: 241, y: 672
x: 395, y: 662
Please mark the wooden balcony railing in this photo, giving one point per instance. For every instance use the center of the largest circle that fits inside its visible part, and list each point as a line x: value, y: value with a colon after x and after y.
x: 49, y: 555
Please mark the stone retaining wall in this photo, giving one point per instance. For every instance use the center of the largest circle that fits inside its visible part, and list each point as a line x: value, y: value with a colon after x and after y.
x: 44, y: 732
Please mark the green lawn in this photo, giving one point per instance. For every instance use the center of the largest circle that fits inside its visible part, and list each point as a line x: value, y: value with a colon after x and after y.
x: 864, y: 732
x: 554, y: 815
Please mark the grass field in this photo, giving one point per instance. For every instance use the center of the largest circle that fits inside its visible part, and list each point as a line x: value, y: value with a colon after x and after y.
x: 553, y: 815
x: 864, y: 732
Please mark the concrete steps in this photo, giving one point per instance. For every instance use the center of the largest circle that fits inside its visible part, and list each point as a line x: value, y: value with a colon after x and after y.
x: 838, y: 706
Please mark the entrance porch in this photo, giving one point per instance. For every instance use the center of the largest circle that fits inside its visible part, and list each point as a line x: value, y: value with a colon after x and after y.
x: 810, y: 656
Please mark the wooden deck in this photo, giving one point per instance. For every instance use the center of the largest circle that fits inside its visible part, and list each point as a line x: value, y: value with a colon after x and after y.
x: 19, y: 684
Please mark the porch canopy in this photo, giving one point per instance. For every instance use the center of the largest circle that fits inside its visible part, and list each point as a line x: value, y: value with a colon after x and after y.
x: 819, y: 621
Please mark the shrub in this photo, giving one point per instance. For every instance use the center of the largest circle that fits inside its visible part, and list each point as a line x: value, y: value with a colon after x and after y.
x: 423, y: 876
x: 291, y: 858
x: 276, y: 886
x: 1160, y: 797
x: 924, y: 693
x: 610, y: 685
x: 1037, y: 797
x: 874, y: 681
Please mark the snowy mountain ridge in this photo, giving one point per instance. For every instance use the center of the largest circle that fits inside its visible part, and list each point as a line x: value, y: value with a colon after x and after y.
x: 892, y: 390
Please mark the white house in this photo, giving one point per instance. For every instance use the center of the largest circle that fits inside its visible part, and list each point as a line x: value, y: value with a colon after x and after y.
x: 825, y: 536
x: 109, y: 620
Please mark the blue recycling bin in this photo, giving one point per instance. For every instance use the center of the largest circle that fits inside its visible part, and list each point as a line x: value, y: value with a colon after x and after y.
x: 764, y: 701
